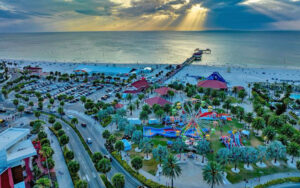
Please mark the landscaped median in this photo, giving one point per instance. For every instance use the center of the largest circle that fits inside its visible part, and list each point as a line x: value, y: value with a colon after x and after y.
x: 106, y: 181
x: 74, y: 176
x: 86, y: 147
x: 138, y: 176
x: 279, y: 181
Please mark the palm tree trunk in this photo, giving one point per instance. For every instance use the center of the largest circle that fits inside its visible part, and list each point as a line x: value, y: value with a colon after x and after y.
x: 203, y: 158
x: 172, y: 182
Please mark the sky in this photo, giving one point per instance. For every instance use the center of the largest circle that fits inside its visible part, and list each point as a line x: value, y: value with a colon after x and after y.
x: 147, y: 15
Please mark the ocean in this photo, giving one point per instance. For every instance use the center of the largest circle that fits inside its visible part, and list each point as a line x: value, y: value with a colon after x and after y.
x: 278, y: 49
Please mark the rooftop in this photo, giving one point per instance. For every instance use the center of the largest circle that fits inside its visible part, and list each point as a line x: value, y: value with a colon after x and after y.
x: 163, y: 90
x: 11, y: 136
x: 157, y: 100
x: 213, y: 84
x: 140, y: 83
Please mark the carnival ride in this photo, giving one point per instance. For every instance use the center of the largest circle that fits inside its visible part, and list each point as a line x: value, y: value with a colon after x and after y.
x: 233, y: 141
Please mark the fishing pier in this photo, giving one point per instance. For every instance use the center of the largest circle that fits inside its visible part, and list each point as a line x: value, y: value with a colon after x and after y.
x: 197, y: 56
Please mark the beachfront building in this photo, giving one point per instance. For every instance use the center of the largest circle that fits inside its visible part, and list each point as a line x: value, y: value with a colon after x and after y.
x: 138, y: 86
x: 33, y: 70
x: 163, y: 91
x: 157, y: 100
x: 99, y: 69
x: 15, y: 153
x: 213, y: 84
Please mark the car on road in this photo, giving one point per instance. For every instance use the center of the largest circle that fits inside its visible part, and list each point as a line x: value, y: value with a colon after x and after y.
x: 108, y: 157
x: 89, y: 141
x: 83, y: 124
x: 70, y: 116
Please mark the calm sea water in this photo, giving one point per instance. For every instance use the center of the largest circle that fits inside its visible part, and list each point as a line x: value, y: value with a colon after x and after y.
x: 251, y: 49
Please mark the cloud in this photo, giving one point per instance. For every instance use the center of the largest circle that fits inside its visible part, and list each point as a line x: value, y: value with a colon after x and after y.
x: 139, y: 14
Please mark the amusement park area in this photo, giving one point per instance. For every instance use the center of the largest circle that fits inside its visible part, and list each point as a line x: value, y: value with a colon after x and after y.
x: 204, y: 123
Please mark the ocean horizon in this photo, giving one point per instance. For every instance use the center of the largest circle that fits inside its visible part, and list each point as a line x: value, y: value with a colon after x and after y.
x: 276, y: 49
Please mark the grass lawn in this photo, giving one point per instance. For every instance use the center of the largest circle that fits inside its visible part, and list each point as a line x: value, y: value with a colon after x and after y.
x: 149, y: 166
x: 257, y: 172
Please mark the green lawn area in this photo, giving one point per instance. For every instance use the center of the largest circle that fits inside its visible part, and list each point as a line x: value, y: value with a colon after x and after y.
x: 257, y: 172
x: 149, y: 166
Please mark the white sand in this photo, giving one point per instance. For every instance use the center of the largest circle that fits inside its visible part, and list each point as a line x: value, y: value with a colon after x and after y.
x: 237, y: 76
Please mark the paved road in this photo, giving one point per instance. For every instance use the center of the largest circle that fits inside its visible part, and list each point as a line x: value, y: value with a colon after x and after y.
x: 94, y: 131
x: 87, y: 170
x: 61, y: 169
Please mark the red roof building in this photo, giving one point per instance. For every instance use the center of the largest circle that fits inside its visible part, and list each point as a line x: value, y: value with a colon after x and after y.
x: 157, y: 100
x: 34, y: 70
x: 213, y: 84
x: 163, y: 90
x: 138, y: 86
x: 142, y: 83
x: 119, y: 105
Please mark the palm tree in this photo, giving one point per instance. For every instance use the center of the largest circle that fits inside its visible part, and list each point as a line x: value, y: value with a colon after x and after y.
x: 118, y: 180
x: 103, y: 166
x: 170, y: 168
x: 144, y: 115
x: 258, y: 123
x: 60, y: 110
x: 129, y: 97
x: 37, y: 114
x: 212, y: 174
x: 131, y: 108
x: 269, y: 132
x: 137, y: 104
x: 74, y: 121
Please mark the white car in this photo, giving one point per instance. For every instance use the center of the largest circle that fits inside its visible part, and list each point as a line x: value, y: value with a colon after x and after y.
x: 70, y: 116
x: 89, y: 141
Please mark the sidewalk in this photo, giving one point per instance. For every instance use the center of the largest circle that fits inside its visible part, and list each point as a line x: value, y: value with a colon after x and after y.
x: 264, y: 179
x: 61, y: 169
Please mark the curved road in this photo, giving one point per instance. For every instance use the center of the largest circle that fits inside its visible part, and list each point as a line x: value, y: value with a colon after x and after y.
x: 87, y: 170
x: 94, y: 131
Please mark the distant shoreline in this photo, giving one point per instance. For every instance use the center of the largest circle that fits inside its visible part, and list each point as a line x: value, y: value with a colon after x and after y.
x: 234, y: 75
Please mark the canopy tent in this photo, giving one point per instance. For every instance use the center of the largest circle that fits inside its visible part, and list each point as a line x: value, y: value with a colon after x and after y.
x: 216, y: 76
x: 127, y: 145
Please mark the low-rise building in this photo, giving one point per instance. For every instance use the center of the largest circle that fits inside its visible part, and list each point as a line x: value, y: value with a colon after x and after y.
x: 15, y: 153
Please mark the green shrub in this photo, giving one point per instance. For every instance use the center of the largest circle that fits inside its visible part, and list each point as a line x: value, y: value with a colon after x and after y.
x: 106, y: 121
x: 279, y: 181
x: 141, y: 178
x: 106, y: 182
x: 293, y: 115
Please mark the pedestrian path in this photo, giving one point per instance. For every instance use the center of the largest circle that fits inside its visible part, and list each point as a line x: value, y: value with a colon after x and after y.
x: 61, y: 169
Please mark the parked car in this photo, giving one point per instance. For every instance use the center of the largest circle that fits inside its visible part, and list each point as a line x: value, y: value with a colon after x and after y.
x: 89, y: 141
x: 83, y: 124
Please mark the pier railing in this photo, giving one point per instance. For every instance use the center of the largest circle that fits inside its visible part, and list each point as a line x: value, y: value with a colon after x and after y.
x: 188, y: 61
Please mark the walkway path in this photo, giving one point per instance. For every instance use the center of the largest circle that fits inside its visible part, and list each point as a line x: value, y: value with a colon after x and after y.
x: 256, y: 181
x: 61, y: 169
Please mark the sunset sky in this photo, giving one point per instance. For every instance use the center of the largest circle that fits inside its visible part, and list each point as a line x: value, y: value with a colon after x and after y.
x: 120, y: 15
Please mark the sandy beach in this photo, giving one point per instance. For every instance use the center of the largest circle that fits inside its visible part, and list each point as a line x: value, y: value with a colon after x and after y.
x: 235, y: 76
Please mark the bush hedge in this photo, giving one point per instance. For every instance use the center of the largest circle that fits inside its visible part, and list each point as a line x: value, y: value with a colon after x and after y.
x: 279, y: 181
x: 140, y: 177
x: 106, y: 182
x: 106, y: 121
x: 86, y: 147
x: 76, y: 177
x: 293, y: 115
